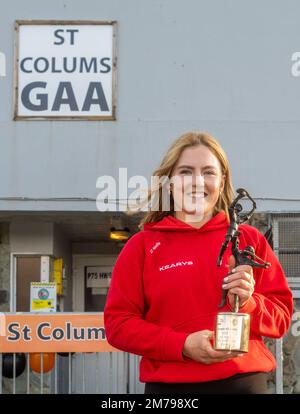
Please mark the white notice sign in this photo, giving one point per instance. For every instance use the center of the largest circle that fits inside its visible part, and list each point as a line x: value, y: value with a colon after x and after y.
x: 65, y: 70
x: 98, y: 276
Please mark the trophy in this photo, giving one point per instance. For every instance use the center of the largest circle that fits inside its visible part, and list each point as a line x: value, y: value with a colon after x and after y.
x: 232, y: 329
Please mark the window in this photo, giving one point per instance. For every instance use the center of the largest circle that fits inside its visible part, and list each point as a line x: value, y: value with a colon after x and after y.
x: 286, y: 239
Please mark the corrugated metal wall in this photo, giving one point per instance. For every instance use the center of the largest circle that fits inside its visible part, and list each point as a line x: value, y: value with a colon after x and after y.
x: 223, y: 67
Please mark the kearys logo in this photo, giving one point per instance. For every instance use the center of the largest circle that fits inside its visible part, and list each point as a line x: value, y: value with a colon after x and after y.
x: 177, y: 264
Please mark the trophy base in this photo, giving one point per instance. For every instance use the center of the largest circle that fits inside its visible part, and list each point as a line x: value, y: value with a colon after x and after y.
x: 232, y: 332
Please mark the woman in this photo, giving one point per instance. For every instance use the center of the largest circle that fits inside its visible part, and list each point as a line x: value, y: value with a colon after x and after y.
x: 166, y: 286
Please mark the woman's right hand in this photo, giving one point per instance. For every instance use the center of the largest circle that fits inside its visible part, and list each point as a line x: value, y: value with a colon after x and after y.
x: 198, y: 347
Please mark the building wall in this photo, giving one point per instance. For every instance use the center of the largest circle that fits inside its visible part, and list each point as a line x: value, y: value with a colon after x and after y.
x: 221, y: 67
x: 4, y: 267
x: 30, y: 237
x: 200, y: 66
x: 62, y: 248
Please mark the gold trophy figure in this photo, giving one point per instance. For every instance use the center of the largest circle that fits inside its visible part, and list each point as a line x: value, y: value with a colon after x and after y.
x: 232, y: 329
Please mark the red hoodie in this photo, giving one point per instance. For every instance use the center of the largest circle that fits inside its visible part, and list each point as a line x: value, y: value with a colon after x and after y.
x: 166, y: 285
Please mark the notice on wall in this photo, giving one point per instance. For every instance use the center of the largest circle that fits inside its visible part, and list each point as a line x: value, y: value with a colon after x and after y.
x: 98, y: 276
x: 65, y: 70
x: 43, y: 297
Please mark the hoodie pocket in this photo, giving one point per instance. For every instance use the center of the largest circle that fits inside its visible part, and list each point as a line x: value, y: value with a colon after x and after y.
x: 265, y: 350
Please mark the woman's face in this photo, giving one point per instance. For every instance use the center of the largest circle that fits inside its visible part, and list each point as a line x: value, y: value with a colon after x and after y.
x: 196, y: 182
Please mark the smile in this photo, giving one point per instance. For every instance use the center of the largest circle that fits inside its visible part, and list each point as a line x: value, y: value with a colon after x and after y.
x: 197, y: 195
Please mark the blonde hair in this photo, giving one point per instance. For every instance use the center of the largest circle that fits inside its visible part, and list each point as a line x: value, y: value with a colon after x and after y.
x: 187, y: 140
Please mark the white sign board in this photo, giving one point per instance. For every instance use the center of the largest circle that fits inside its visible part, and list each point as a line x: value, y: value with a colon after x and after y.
x: 42, y: 297
x: 65, y: 70
x: 98, y: 276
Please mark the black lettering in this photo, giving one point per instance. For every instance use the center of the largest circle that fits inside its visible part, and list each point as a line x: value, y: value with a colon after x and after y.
x: 69, y: 100
x: 53, y: 66
x: 58, y: 333
x: 96, y: 333
x: 65, y: 65
x: 22, y: 65
x: 86, y: 67
x: 72, y: 32
x: 43, y: 98
x: 68, y: 325
x: 99, y: 100
x: 37, y: 66
x: 79, y: 333
x: 108, y: 67
x: 26, y: 333
x: 40, y: 331
x: 13, y: 329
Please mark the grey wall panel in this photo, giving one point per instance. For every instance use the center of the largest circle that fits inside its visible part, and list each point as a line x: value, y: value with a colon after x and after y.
x: 222, y: 67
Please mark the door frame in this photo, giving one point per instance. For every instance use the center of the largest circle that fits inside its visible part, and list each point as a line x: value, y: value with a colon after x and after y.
x: 79, y: 262
x: 13, y: 276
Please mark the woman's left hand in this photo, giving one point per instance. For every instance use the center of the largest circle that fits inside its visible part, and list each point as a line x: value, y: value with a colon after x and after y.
x: 241, y: 282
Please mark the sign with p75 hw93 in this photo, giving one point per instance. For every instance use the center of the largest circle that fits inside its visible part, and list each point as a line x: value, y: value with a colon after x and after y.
x: 65, y: 70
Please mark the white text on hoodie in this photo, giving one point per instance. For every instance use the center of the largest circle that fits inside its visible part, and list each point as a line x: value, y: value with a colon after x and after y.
x: 170, y: 266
